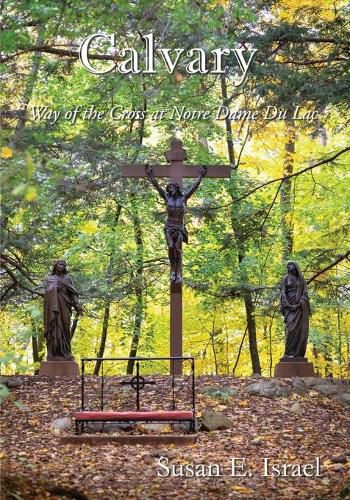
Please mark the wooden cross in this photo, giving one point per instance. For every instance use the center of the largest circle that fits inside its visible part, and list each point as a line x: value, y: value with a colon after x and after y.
x: 177, y: 171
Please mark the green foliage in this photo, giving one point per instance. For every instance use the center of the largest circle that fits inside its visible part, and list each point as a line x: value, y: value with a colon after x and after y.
x: 63, y: 195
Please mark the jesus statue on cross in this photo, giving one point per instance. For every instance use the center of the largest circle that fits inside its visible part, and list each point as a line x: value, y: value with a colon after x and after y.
x: 175, y: 232
x: 174, y: 229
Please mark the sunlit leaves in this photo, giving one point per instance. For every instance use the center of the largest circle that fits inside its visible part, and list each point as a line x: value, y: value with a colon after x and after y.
x: 62, y: 188
x: 6, y: 153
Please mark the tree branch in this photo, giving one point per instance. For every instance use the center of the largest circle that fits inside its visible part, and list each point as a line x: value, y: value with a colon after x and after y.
x: 46, y: 49
x: 312, y: 62
x: 239, y: 290
x: 19, y: 284
x: 327, y: 268
x: 12, y: 262
x: 282, y: 179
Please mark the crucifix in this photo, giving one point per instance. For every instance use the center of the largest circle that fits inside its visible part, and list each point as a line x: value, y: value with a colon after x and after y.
x: 174, y: 229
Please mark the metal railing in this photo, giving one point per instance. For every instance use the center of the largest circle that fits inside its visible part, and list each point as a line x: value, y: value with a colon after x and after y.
x: 103, y: 393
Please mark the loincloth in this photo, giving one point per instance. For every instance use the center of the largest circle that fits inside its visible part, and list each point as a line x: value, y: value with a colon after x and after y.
x: 173, y: 230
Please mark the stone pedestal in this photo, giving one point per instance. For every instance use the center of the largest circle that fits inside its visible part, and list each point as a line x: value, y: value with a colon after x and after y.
x: 59, y: 367
x: 294, y: 367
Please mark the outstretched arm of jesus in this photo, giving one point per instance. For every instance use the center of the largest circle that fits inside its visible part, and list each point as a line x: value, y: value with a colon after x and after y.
x: 189, y: 192
x: 153, y: 180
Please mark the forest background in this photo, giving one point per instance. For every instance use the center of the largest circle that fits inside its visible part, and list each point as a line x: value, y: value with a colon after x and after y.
x: 287, y: 198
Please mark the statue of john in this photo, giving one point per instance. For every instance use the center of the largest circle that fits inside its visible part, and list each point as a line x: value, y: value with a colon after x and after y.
x: 59, y: 299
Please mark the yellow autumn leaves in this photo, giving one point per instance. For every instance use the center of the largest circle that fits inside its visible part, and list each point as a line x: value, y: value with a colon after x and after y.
x: 27, y: 190
x: 6, y: 153
x: 89, y: 227
x: 325, y: 8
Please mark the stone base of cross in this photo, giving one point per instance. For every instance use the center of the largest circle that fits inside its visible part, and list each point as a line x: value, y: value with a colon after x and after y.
x: 176, y: 171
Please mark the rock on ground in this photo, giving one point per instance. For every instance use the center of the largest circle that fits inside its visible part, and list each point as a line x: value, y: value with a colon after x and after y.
x: 269, y: 388
x: 61, y: 424
x: 297, y: 408
x: 212, y: 421
x: 336, y: 389
x: 327, y: 389
x: 343, y: 398
x: 219, y: 392
x: 11, y: 382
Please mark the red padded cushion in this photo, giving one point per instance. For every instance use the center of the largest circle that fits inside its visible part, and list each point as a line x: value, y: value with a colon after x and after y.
x: 133, y: 415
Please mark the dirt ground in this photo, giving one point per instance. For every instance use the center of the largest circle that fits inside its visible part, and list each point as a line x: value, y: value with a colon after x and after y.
x: 36, y: 466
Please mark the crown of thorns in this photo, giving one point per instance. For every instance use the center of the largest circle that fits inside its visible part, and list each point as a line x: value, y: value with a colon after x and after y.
x: 174, y: 184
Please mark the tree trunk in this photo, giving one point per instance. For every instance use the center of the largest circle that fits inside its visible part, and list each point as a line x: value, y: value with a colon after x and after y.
x: 214, y: 353
x: 339, y: 341
x: 239, y: 351
x: 329, y: 361
x: 103, y: 337
x: 37, y: 340
x: 235, y: 222
x: 138, y: 292
x: 315, y: 352
x: 31, y: 81
x: 38, y: 343
x: 253, y: 345
x: 106, y: 313
x: 37, y: 347
x: 270, y: 345
x: 286, y: 192
x: 227, y: 354
x: 139, y: 257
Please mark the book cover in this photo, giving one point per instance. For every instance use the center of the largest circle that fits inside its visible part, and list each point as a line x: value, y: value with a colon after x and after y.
x: 186, y: 163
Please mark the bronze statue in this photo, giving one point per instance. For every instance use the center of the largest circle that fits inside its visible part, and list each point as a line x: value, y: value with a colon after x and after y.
x: 60, y: 296
x: 174, y: 228
x: 295, y: 307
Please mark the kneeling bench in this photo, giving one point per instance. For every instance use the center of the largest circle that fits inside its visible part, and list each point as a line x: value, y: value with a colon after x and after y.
x: 132, y: 416
x: 92, y: 411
